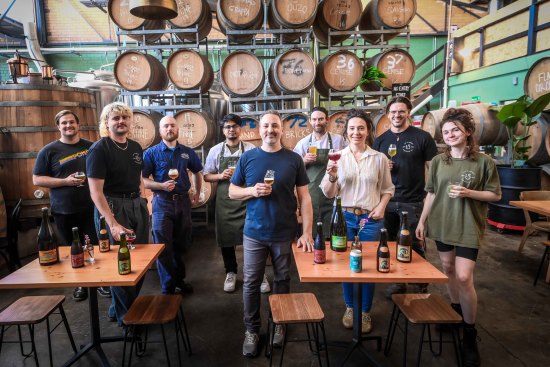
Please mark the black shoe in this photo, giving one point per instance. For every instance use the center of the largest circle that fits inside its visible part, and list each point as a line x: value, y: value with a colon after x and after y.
x: 470, y: 353
x: 184, y: 287
x: 420, y: 287
x: 80, y: 294
x: 104, y: 292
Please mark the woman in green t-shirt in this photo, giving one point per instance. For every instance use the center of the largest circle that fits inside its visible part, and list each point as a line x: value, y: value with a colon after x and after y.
x: 460, y: 183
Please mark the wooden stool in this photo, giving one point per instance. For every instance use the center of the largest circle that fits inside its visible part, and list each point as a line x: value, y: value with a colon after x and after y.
x: 33, y: 310
x: 425, y: 309
x: 296, y: 308
x: 156, y: 310
x: 545, y: 253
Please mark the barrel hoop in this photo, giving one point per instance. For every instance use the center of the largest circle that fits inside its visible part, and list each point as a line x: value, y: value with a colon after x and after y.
x: 46, y: 104
x: 22, y: 155
x: 50, y: 87
x: 33, y: 129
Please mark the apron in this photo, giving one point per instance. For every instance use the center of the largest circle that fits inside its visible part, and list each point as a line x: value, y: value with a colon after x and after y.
x: 322, y: 206
x: 229, y: 214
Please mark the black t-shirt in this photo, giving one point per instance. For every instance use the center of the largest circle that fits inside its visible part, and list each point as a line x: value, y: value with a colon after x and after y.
x: 118, y: 164
x: 414, y: 148
x: 59, y: 160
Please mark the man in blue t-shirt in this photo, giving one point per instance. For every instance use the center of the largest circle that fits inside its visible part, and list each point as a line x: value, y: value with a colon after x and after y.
x: 271, y: 223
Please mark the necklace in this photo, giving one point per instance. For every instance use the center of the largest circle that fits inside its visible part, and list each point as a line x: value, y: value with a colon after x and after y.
x: 118, y: 146
x: 397, y: 135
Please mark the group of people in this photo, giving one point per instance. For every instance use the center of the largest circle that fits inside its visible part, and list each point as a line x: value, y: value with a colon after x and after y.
x: 261, y: 215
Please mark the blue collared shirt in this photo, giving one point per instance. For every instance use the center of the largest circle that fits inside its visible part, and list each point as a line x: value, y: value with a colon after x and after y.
x: 159, y: 159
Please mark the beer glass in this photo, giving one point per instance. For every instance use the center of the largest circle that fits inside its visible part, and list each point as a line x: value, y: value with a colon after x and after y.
x: 334, y: 155
x: 451, y: 186
x: 312, y: 148
x: 173, y: 173
x: 392, y: 151
x: 269, y: 177
x: 130, y: 238
x: 81, y: 176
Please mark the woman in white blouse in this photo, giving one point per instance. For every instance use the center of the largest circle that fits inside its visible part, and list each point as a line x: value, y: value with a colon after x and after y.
x: 362, y: 176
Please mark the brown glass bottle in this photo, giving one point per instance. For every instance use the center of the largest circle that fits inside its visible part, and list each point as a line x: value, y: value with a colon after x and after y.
x: 77, y: 253
x: 319, y: 248
x: 48, y: 251
x: 404, y: 241
x: 383, y: 253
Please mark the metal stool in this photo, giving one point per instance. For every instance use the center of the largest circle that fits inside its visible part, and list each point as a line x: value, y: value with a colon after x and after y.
x: 296, y: 308
x: 545, y: 253
x: 425, y: 309
x: 156, y: 310
x: 33, y: 310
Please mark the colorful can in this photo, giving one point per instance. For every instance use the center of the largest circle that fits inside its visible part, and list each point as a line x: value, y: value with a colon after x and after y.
x: 355, y: 261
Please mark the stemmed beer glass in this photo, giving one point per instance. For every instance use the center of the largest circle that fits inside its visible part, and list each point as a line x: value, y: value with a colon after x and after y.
x: 269, y: 177
x: 81, y: 176
x: 392, y: 151
x: 130, y: 238
x: 173, y: 173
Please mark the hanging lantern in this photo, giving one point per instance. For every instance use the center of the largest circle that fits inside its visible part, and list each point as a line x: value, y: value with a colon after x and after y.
x: 18, y: 67
x: 154, y: 9
x: 47, y: 72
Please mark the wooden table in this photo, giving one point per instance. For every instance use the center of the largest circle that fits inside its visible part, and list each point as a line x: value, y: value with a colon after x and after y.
x: 541, y: 207
x: 337, y: 269
x: 104, y: 272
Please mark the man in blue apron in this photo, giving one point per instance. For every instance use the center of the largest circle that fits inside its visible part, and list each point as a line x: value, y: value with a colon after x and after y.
x: 220, y: 164
x: 314, y: 150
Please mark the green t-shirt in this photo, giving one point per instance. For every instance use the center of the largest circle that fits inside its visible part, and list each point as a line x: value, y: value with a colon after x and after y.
x: 460, y: 221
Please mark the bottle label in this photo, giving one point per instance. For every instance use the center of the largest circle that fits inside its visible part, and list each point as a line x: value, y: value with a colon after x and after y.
x: 124, y: 267
x: 355, y: 261
x: 319, y: 256
x: 104, y: 245
x: 77, y: 261
x: 403, y: 253
x: 339, y: 241
x: 384, y: 265
x: 47, y: 256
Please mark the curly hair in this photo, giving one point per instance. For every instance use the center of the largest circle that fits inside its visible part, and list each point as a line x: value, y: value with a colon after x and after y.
x: 363, y: 116
x: 464, y: 120
x: 117, y: 107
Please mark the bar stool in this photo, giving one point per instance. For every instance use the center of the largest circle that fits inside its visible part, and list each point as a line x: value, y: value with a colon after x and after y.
x: 545, y: 253
x: 425, y: 309
x: 296, y: 308
x: 156, y: 310
x: 32, y: 310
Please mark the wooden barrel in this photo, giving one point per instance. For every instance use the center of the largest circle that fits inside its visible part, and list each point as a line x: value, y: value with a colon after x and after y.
x: 242, y: 74
x: 188, y: 69
x: 119, y: 11
x: 27, y: 124
x: 537, y: 80
x: 206, y: 195
x: 398, y: 66
x: 337, y: 122
x: 193, y: 13
x: 340, y: 71
x: 291, y: 14
x: 250, y: 130
x: 292, y: 72
x: 339, y: 15
x: 539, y: 140
x: 136, y: 71
x: 295, y: 127
x: 381, y: 123
x: 240, y: 15
x: 489, y: 131
x: 145, y: 128
x: 195, y: 128
x: 3, y: 216
x: 386, y: 14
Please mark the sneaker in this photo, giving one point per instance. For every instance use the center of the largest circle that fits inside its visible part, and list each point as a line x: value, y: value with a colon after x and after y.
x: 265, y: 287
x: 250, y: 344
x: 470, y: 353
x: 347, y: 320
x: 184, y: 287
x: 395, y: 289
x: 104, y: 292
x: 366, y: 323
x: 80, y: 294
x: 420, y: 287
x: 230, y: 282
x: 279, y: 337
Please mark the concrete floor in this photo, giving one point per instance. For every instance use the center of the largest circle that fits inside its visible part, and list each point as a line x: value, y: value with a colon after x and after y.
x: 513, y: 318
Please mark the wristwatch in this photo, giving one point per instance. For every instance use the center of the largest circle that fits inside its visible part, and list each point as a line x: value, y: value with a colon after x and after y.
x: 332, y: 179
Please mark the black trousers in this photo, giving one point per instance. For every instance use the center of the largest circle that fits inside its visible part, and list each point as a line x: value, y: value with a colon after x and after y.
x: 84, y: 220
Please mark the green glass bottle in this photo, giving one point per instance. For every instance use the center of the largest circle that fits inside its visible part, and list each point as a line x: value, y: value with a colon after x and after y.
x: 338, y: 229
x: 124, y: 261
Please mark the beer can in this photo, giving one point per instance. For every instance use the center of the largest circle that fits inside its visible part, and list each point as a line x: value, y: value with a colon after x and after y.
x: 355, y: 261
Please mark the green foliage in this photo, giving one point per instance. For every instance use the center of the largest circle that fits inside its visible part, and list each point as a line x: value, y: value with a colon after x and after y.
x: 372, y: 74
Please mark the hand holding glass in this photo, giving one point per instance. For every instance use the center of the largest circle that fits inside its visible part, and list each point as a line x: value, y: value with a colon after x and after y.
x: 173, y: 173
x: 231, y: 166
x: 334, y: 155
x: 312, y: 149
x: 392, y: 150
x: 81, y: 176
x: 130, y: 238
x: 453, y: 185
x: 269, y: 177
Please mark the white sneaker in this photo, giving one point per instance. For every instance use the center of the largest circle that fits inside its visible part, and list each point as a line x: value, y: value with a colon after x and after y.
x: 230, y: 282
x: 265, y: 287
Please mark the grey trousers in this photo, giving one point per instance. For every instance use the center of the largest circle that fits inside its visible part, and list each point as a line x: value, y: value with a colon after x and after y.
x: 255, y: 256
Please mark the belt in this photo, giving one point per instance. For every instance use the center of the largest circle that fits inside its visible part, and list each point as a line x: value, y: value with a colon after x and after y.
x: 130, y: 195
x: 356, y: 211
x: 168, y: 196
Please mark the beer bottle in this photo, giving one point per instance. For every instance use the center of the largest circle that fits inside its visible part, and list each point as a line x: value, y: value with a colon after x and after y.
x: 338, y: 229
x: 319, y: 250
x: 48, y: 253
x: 383, y: 253
x: 124, y: 262
x: 77, y: 253
x: 104, y: 242
x: 404, y: 241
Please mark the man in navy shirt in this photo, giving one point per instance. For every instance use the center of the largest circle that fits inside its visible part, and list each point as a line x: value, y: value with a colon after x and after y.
x: 171, y: 202
x: 271, y: 223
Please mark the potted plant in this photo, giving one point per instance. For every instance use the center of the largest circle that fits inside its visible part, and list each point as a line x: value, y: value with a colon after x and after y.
x: 371, y: 79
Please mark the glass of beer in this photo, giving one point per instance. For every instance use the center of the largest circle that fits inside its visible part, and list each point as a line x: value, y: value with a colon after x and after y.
x: 392, y: 150
x: 312, y: 148
x: 173, y: 173
x: 231, y: 166
x: 130, y: 238
x: 451, y: 186
x: 269, y: 177
x: 81, y: 176
x: 334, y: 155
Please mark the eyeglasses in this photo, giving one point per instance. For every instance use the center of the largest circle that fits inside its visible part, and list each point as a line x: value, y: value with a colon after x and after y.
x: 231, y: 127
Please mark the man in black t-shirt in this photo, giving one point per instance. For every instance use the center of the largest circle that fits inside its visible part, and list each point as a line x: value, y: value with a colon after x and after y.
x: 114, y: 167
x: 55, y: 168
x: 415, y: 148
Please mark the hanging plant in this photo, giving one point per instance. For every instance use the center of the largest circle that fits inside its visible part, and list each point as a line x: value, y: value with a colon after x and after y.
x: 371, y: 79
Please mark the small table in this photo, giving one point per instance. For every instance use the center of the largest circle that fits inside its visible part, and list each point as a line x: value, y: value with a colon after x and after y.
x: 337, y: 269
x: 103, y: 272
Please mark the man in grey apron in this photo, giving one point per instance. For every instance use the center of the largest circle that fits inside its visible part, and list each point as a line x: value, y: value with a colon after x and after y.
x: 314, y: 150
x: 230, y: 214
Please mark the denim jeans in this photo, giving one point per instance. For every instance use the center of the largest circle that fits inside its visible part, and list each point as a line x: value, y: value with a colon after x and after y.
x: 255, y: 256
x: 171, y: 226
x: 370, y: 232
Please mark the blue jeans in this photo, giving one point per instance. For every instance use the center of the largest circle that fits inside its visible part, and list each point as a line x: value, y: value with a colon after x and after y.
x: 255, y: 256
x: 370, y: 232
x: 171, y: 226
